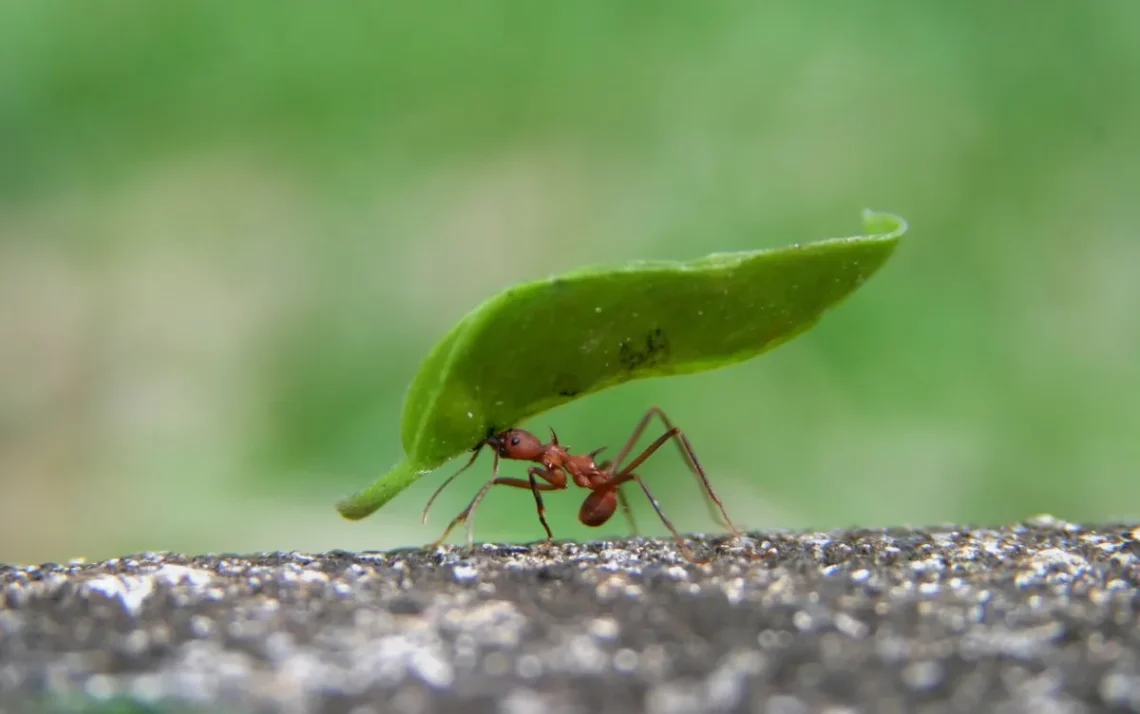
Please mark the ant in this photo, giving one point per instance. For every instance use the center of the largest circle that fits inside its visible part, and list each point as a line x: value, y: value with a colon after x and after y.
x: 604, y: 480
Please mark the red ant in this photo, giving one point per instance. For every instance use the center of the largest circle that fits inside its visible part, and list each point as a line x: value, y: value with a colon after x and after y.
x: 603, y: 480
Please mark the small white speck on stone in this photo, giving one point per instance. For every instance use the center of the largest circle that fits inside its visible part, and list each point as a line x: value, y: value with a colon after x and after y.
x: 130, y: 591
x: 604, y: 628
x: 314, y: 576
x: 676, y: 572
x: 723, y: 688
x: 376, y: 558
x: 734, y: 590
x: 928, y: 565
x: 625, y: 660
x: 201, y: 626
x: 171, y: 574
x: 1119, y: 689
x: 529, y: 667
x: 802, y: 621
x: 584, y: 656
x: 432, y: 669
x: 464, y: 573
x: 850, y: 626
x: 892, y: 649
x: 279, y: 645
x: 136, y: 642
x: 99, y: 686
x: 921, y: 676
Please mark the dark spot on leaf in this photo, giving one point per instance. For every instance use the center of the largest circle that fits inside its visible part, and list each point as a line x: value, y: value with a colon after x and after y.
x: 657, y: 345
x: 655, y: 348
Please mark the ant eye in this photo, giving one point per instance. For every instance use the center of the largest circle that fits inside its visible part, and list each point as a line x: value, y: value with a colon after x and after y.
x: 514, y: 441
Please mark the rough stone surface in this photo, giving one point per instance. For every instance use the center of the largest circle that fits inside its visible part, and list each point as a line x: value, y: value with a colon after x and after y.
x: 1037, y: 617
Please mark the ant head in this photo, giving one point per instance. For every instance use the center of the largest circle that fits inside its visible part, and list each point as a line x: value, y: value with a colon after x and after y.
x: 517, y: 444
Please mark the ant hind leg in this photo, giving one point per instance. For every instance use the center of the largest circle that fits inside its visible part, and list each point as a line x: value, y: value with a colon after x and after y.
x: 622, y: 500
x: 616, y: 484
x: 718, y: 514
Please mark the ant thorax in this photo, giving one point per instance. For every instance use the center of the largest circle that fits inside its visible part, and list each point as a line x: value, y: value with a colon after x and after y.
x: 556, y: 456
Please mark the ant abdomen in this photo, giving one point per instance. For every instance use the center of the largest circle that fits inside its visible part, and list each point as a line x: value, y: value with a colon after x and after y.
x: 598, y: 507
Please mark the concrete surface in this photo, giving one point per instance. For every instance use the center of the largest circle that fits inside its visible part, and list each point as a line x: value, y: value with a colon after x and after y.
x: 1038, y: 617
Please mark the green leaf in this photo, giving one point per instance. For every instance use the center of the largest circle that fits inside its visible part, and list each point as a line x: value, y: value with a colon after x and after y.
x: 541, y: 344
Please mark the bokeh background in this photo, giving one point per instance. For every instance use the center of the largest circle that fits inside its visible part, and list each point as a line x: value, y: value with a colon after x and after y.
x: 230, y: 231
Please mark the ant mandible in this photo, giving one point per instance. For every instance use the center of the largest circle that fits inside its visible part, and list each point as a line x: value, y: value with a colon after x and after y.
x: 604, y: 480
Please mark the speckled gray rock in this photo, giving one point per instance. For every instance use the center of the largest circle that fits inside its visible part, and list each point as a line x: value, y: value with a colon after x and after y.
x: 1038, y: 617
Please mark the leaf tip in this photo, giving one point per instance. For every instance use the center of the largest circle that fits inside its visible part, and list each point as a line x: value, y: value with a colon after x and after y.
x: 366, y: 502
x: 884, y: 225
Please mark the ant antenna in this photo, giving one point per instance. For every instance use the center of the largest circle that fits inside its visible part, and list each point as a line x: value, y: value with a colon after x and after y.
x: 474, y: 455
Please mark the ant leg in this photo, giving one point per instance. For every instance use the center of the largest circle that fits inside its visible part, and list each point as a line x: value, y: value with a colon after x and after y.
x: 627, y: 510
x: 687, y: 453
x: 462, y: 517
x: 535, y: 488
x: 466, y: 513
x: 423, y: 518
x: 623, y: 501
x: 617, y: 481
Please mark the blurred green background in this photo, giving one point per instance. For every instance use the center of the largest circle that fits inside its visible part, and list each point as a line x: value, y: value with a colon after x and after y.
x: 230, y: 231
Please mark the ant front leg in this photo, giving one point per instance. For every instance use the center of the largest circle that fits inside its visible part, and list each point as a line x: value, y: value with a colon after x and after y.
x: 536, y: 488
x: 467, y: 513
